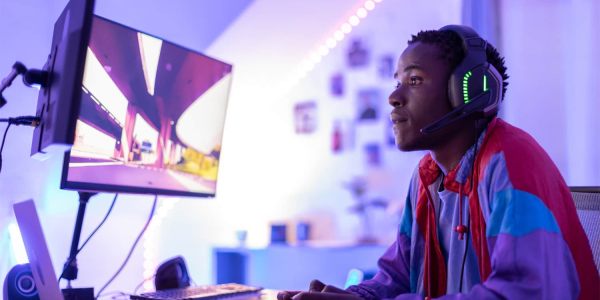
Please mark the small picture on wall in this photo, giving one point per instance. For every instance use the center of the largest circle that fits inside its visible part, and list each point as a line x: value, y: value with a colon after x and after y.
x: 368, y: 103
x: 342, y: 136
x: 358, y: 55
x: 337, y: 85
x: 372, y: 155
x: 305, y: 117
x: 385, y: 68
x: 390, y: 138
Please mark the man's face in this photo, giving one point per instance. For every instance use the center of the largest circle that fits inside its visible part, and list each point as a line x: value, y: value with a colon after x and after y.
x: 420, y: 98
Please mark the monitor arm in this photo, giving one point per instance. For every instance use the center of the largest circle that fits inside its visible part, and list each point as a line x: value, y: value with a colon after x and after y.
x: 30, y: 77
x: 70, y: 267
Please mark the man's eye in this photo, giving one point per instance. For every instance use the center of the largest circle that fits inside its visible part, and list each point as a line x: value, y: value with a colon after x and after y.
x: 415, y: 80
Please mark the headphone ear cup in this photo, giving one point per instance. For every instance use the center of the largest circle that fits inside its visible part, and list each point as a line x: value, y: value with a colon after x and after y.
x: 494, y: 84
x: 172, y: 274
x: 455, y: 90
x: 464, y: 86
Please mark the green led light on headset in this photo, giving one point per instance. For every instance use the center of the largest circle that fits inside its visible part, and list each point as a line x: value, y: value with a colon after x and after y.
x: 466, y: 86
x: 485, y: 87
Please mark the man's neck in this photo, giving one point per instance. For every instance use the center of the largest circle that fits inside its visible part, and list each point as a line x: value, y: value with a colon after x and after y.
x: 449, y: 154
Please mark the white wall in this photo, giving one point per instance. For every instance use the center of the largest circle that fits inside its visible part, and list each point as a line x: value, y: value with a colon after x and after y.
x: 552, y: 53
x: 21, y: 177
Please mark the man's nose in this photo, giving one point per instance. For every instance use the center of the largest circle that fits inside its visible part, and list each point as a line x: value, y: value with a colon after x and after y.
x: 395, y: 99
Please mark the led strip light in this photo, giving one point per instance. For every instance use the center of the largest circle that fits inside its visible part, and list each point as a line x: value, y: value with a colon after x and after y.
x: 315, y: 56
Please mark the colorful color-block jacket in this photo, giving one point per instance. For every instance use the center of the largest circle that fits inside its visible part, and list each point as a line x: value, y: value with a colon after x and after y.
x: 523, y: 238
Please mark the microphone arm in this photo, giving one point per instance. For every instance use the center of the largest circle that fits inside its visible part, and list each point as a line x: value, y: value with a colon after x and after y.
x: 457, y: 114
x: 30, y: 77
x: 18, y: 68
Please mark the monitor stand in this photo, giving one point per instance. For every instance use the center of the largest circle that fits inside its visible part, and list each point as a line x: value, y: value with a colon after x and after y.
x: 70, y: 268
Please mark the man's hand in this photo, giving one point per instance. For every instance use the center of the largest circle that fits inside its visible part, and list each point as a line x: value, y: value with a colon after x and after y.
x: 318, y: 291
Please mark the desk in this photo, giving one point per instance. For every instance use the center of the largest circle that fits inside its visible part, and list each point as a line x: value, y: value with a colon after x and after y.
x: 293, y: 267
x: 268, y: 294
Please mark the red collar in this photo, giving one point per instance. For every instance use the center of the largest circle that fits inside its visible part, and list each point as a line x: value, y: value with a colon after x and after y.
x: 429, y: 171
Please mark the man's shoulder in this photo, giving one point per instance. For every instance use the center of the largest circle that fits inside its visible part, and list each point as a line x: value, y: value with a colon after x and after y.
x: 524, y: 161
x: 505, y: 137
x: 512, y: 142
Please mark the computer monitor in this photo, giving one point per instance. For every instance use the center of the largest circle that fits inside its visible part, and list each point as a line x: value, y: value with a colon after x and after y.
x: 150, y: 117
x: 58, y: 100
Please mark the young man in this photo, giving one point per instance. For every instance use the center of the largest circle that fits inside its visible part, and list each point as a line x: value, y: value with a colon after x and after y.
x: 488, y: 215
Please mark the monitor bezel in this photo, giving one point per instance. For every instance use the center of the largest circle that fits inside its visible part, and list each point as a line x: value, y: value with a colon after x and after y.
x: 70, y: 37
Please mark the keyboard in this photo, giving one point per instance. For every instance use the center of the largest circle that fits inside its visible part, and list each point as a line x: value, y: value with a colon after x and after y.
x: 218, y: 291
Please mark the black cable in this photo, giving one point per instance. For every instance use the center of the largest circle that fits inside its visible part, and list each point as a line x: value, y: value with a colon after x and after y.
x: 462, y: 268
x: 24, y: 120
x: 2, y: 147
x: 117, y: 295
x: 137, y: 287
x: 132, y: 247
x: 99, y: 225
x: 90, y: 236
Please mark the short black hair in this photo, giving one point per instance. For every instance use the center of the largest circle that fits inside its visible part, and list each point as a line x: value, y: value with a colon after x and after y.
x: 450, y: 44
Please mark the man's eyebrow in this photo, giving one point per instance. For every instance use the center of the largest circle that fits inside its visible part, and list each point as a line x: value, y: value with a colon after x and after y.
x: 408, y: 68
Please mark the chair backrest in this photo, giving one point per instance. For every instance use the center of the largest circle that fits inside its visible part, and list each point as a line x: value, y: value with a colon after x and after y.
x: 587, y: 202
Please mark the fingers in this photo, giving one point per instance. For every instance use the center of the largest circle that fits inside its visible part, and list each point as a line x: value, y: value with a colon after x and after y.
x: 324, y: 296
x: 287, y: 295
x: 316, y: 286
x: 334, y: 289
x: 306, y: 296
x: 317, y: 291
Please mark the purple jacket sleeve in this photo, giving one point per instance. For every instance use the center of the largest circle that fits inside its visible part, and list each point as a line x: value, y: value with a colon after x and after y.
x: 393, y: 276
x: 391, y: 279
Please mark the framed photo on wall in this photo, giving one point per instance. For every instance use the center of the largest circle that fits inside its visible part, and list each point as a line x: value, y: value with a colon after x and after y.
x: 368, y: 103
x: 336, y: 84
x: 342, y: 136
x: 372, y: 155
x: 390, y: 138
x: 305, y: 117
x: 385, y: 67
x: 358, y: 54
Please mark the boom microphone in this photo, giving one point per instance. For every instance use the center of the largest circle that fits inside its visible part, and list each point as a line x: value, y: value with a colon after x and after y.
x: 476, y: 105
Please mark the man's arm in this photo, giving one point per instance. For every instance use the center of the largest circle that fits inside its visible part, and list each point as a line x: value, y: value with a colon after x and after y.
x: 393, y: 276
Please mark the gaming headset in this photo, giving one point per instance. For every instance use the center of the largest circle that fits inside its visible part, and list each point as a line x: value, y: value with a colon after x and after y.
x: 475, y: 86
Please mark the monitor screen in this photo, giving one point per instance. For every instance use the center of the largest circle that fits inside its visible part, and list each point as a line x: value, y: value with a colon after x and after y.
x: 151, y: 116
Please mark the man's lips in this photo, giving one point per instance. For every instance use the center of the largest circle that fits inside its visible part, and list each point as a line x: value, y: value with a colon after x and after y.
x: 398, y: 117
